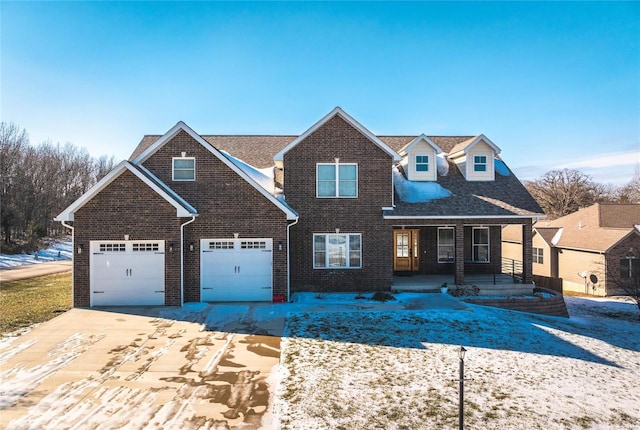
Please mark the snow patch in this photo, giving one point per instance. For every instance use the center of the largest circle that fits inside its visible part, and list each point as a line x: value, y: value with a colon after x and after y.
x: 417, y: 192
x: 60, y: 250
x: 501, y: 168
x: 264, y: 177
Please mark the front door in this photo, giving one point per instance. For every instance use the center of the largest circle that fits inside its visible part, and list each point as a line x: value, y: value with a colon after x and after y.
x: 406, y: 255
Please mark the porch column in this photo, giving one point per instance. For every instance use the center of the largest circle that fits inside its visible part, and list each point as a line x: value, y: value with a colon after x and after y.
x: 459, y: 273
x: 527, y: 252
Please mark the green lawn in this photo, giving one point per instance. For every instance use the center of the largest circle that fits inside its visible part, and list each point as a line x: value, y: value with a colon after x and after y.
x: 31, y: 301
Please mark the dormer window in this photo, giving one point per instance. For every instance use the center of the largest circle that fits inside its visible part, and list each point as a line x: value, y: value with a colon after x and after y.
x: 479, y: 163
x: 422, y: 163
x: 184, y: 169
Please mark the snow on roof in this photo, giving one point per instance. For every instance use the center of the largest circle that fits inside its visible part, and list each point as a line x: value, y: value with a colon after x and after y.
x: 501, y: 168
x: 263, y: 177
x: 442, y: 165
x: 417, y: 192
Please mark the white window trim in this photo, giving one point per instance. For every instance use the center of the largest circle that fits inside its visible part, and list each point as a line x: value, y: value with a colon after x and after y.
x: 454, y: 244
x: 485, y: 163
x: 326, y: 247
x: 474, y: 244
x: 173, y: 169
x: 537, y: 255
x: 337, y: 180
x: 417, y: 163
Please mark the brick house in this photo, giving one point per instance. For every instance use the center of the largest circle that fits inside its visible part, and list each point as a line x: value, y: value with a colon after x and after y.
x: 194, y: 217
x: 588, y: 250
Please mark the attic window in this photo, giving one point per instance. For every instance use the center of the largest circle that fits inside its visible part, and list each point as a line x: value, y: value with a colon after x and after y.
x: 480, y: 163
x: 422, y: 163
x: 184, y: 169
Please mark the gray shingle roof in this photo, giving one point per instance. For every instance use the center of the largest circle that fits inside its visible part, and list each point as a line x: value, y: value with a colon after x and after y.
x: 504, y: 197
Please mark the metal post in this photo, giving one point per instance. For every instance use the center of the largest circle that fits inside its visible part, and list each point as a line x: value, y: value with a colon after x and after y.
x: 461, y: 401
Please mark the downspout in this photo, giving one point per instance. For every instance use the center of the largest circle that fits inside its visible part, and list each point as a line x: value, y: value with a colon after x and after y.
x: 73, y: 261
x: 193, y: 218
x: 288, y: 260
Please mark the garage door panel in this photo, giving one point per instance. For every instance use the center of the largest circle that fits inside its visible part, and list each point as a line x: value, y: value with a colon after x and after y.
x: 127, y: 273
x: 236, y: 269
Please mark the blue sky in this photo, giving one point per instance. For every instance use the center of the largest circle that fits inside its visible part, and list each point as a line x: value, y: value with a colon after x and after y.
x: 554, y: 85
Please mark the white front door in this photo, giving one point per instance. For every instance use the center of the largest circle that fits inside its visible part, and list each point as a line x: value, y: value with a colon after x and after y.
x: 236, y: 270
x: 127, y: 273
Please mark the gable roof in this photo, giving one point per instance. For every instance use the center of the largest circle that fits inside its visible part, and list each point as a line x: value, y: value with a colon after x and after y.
x: 422, y: 138
x: 465, y: 146
x: 183, y: 209
x: 596, y: 228
x: 181, y: 126
x: 278, y: 158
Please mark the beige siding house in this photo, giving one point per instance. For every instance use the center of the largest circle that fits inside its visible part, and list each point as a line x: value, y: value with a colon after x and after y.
x: 588, y: 249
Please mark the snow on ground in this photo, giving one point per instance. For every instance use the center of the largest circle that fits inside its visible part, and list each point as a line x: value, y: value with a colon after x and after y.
x: 350, y: 363
x: 59, y: 250
x: 399, y: 370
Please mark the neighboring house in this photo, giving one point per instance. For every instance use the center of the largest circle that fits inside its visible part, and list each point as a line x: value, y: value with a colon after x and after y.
x: 193, y: 217
x: 588, y: 249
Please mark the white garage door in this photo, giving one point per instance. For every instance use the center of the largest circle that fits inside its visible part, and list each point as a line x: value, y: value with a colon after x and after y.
x: 236, y: 270
x: 127, y: 273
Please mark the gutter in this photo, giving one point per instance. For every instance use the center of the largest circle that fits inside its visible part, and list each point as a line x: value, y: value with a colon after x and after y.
x: 288, y: 260
x: 193, y: 218
x: 73, y: 260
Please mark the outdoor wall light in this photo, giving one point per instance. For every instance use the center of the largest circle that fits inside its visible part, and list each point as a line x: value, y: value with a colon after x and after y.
x: 191, y: 246
x: 80, y: 249
x: 170, y: 246
x: 280, y: 246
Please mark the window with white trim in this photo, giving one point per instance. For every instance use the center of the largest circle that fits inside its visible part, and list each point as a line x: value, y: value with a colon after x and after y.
x: 337, y: 180
x: 538, y: 255
x: 480, y: 244
x: 446, y: 245
x: 184, y: 169
x: 479, y: 163
x: 337, y: 251
x: 422, y: 163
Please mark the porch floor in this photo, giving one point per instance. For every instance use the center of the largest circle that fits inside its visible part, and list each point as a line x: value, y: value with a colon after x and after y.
x: 502, y: 285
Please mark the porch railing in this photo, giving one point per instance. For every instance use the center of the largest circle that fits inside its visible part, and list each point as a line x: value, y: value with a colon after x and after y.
x: 512, y: 268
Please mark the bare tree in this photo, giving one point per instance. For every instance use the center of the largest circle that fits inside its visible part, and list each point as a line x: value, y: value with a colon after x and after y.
x: 624, y: 273
x: 12, y: 144
x: 561, y: 192
x: 37, y: 182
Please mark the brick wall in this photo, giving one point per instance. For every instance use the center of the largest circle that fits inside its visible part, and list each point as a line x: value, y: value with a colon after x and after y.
x: 226, y: 204
x: 338, y: 139
x: 126, y: 206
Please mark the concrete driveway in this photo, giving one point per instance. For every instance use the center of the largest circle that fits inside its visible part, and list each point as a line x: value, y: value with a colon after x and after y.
x: 173, y: 368
x: 201, y: 366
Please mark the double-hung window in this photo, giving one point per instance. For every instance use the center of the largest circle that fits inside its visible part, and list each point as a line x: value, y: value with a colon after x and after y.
x: 337, y: 180
x: 479, y: 163
x: 481, y: 244
x: 538, y: 255
x: 422, y: 163
x: 337, y: 251
x: 446, y: 244
x: 184, y: 169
